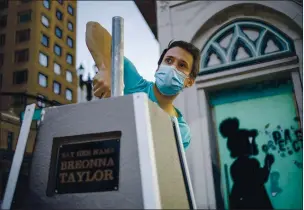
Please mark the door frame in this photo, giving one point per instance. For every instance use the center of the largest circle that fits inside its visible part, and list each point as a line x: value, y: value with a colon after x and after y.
x: 283, y: 68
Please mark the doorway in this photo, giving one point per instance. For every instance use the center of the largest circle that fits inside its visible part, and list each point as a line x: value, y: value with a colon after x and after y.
x: 260, y: 145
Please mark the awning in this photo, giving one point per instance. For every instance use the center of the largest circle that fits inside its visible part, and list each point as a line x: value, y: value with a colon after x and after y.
x: 148, y: 11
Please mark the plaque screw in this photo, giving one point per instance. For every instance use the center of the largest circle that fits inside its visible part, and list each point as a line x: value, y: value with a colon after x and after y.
x: 115, y: 188
x: 56, y: 191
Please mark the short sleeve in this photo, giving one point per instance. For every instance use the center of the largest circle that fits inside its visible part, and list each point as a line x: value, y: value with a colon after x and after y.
x: 185, y: 133
x: 133, y: 81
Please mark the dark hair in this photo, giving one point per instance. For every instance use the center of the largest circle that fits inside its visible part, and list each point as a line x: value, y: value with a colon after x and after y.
x: 194, y: 51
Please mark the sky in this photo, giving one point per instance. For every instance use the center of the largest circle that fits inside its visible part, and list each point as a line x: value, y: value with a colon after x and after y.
x: 140, y: 45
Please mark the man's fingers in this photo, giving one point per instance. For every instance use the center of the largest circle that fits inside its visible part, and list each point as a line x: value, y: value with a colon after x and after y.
x: 102, y: 95
x: 102, y: 92
x: 99, y: 92
x: 97, y: 80
x: 101, y: 88
x: 96, y: 86
x: 107, y: 94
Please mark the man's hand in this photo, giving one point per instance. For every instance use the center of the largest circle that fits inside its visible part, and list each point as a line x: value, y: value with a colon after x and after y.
x: 98, y: 41
x: 102, y: 84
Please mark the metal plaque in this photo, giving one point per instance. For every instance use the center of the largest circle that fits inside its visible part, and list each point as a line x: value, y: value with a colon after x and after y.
x: 88, y: 167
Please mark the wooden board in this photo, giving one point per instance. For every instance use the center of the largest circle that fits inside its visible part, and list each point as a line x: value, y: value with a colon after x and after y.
x: 99, y: 42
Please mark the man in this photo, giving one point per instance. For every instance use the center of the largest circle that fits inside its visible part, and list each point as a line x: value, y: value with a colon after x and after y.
x: 178, y: 67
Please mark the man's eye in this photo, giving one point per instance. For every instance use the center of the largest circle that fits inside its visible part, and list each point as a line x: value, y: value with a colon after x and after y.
x: 168, y: 60
x: 182, y: 65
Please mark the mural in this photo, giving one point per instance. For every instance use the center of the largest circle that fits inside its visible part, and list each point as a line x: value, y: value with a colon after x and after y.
x: 260, y: 147
x: 274, y: 183
x: 282, y: 142
x: 249, y: 177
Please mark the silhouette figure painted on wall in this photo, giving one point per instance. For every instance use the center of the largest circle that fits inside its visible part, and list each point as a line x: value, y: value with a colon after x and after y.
x: 248, y: 191
x: 274, y: 183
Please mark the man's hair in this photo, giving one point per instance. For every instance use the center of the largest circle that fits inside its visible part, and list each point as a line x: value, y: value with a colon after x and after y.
x: 194, y: 51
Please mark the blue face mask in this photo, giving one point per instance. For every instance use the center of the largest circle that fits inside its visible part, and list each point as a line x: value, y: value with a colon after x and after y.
x: 169, y: 81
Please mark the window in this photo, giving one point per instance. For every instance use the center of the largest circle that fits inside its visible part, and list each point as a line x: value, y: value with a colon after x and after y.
x: 45, y: 40
x: 23, y: 35
x: 69, y: 76
x: 42, y: 80
x: 21, y: 55
x: 1, y: 59
x: 47, y: 4
x: 68, y: 94
x: 70, y: 42
x: 57, y: 68
x: 69, y: 59
x: 60, y: 1
x: 19, y: 100
x: 59, y: 14
x: 70, y: 10
x: 2, y: 40
x: 58, y: 32
x: 57, y: 49
x: 45, y: 21
x: 56, y: 88
x: 220, y: 54
x: 25, y: 16
x: 70, y: 26
x: 20, y: 77
x: 3, y: 4
x: 43, y: 59
x: 41, y: 101
x: 10, y: 139
x: 3, y: 21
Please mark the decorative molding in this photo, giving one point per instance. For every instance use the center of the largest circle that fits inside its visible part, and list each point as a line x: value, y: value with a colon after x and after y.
x: 164, y: 5
x: 244, y: 42
x: 298, y: 2
x: 254, y: 75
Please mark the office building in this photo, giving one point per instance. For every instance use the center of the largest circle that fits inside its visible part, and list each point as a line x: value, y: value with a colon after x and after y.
x: 37, y: 64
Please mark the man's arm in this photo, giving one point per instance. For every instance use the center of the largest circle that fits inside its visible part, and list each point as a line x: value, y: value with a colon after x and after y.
x: 98, y: 41
x: 133, y: 81
x: 185, y: 133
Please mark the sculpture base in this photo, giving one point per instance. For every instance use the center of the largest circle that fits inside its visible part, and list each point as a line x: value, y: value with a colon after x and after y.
x: 116, y: 153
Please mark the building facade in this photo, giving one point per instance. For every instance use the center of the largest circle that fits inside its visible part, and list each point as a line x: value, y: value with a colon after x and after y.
x: 37, y: 63
x: 40, y: 58
x: 245, y: 110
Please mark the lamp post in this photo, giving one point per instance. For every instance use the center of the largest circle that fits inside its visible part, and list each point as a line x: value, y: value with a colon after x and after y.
x: 87, y: 85
x: 80, y: 72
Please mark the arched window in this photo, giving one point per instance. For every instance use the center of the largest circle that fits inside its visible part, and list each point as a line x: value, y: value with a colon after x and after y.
x: 241, y: 43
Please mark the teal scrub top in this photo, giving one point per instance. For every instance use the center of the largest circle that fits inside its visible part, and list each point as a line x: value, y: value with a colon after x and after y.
x: 135, y: 83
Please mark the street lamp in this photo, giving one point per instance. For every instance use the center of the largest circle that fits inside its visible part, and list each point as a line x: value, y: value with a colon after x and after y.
x: 80, y: 70
x: 87, y: 84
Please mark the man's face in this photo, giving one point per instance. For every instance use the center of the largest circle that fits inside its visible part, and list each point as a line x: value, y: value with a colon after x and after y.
x: 182, y: 61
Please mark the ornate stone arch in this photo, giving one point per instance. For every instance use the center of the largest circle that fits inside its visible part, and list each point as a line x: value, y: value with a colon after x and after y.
x: 244, y: 42
x: 286, y: 8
